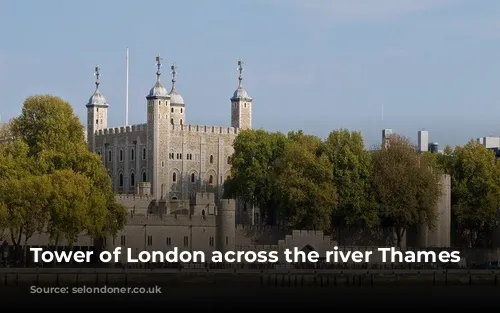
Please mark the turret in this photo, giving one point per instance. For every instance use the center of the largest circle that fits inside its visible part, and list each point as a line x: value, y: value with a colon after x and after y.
x: 177, y: 106
x: 97, y: 112
x: 226, y: 225
x: 241, y: 104
x: 158, y: 101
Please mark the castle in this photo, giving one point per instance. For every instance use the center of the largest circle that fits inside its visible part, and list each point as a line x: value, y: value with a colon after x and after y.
x: 169, y: 175
x: 176, y: 159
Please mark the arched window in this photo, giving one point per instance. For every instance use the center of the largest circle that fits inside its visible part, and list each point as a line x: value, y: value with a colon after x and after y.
x: 132, y: 155
x: 144, y: 177
x: 172, y: 110
x: 211, y: 159
x: 181, y: 122
x: 121, y: 180
x: 211, y: 180
x: 174, y: 177
x: 121, y: 155
x: 144, y: 153
x: 132, y: 179
x: 192, y: 177
x: 172, y: 121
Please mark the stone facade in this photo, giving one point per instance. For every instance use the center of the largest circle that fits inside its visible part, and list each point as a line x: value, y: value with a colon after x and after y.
x: 176, y: 158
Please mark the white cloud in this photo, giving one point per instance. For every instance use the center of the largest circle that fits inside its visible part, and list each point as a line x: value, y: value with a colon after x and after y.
x: 348, y: 10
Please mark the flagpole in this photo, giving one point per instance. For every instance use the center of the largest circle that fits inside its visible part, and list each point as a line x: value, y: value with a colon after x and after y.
x: 126, y: 94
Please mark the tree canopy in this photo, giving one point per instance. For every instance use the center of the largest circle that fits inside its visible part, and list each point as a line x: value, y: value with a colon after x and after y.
x: 50, y: 182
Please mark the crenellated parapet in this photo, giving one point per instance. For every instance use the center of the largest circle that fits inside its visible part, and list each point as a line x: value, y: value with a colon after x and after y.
x: 204, y: 129
x: 171, y: 220
x: 122, y: 130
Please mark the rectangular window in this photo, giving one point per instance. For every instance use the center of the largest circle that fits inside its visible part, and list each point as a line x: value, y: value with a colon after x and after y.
x: 169, y: 241
x: 150, y: 240
x: 186, y: 241
x: 123, y: 240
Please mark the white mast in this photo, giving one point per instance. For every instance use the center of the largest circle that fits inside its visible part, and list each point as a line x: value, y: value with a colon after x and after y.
x: 126, y: 95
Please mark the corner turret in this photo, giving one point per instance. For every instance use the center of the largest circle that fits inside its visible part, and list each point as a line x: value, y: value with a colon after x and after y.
x: 241, y: 104
x: 226, y: 225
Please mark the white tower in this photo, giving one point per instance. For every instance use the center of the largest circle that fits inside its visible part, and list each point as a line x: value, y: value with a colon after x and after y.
x: 97, y: 112
x: 241, y: 104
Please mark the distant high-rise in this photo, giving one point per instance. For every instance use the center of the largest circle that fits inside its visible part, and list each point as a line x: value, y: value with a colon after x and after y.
x: 434, y: 147
x: 386, y: 133
x: 423, y: 141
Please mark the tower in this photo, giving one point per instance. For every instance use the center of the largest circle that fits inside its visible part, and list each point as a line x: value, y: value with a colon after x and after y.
x: 97, y: 112
x: 423, y: 141
x: 158, y: 102
x: 241, y: 104
x: 177, y: 106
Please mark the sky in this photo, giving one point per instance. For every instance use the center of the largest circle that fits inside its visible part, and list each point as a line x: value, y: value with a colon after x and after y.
x: 311, y: 65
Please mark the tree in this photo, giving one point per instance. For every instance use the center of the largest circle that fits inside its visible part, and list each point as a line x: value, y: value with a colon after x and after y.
x: 475, y: 181
x: 5, y: 130
x: 351, y: 167
x: 305, y: 181
x: 406, y: 184
x: 50, y: 150
x: 253, y: 177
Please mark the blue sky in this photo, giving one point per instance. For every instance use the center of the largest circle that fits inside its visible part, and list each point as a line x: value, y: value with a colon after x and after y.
x: 315, y: 65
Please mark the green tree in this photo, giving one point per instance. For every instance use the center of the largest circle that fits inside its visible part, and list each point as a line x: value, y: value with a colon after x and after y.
x: 53, y: 140
x: 475, y: 181
x: 351, y: 166
x: 253, y: 176
x: 406, y: 184
x: 306, y: 186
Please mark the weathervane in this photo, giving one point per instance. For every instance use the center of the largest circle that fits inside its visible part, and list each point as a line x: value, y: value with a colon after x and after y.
x: 240, y: 69
x: 173, y: 72
x: 97, y: 74
x: 158, y: 65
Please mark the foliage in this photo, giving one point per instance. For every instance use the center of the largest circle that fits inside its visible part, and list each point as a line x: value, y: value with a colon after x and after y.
x: 306, y: 186
x: 351, y: 165
x: 475, y: 188
x: 406, y: 185
x: 49, y: 181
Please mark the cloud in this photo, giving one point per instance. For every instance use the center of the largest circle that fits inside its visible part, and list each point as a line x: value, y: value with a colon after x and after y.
x: 363, y: 10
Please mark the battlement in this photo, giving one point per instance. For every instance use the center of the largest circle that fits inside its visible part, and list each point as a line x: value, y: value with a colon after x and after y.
x: 307, y: 233
x: 203, y: 198
x: 121, y: 130
x: 170, y: 220
x: 261, y: 228
x: 134, y: 197
x: 227, y: 205
x: 205, y: 129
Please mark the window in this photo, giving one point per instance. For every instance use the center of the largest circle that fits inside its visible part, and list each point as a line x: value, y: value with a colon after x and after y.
x: 150, y: 240
x: 144, y: 177
x: 171, y: 155
x: 181, y: 110
x: 174, y: 177
x: 180, y: 121
x: 211, y: 159
x: 192, y: 178
x: 179, y: 156
x: 228, y: 160
x: 211, y: 180
x: 227, y: 240
x: 172, y: 110
x: 121, y: 180
x: 97, y: 121
x: 123, y: 240
x: 132, y: 155
x: 144, y: 153
x: 132, y: 179
x: 169, y: 241
x: 172, y: 121
x: 211, y: 241
x: 109, y: 156
x: 189, y: 156
x: 186, y: 241
x: 121, y: 155
x: 162, y: 164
